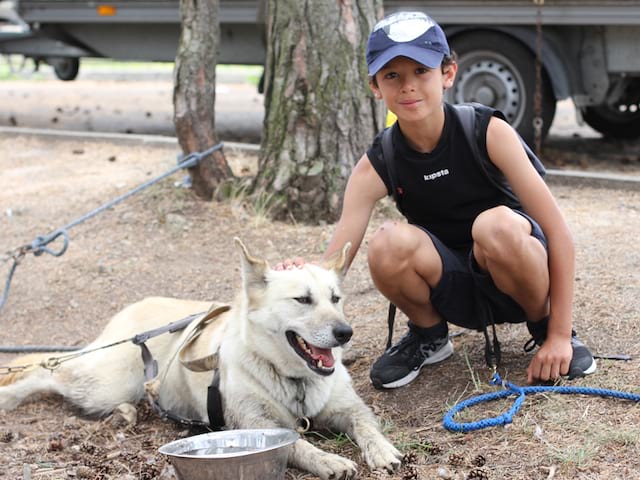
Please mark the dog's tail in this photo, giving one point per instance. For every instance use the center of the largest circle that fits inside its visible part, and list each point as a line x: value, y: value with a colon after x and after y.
x: 20, y: 367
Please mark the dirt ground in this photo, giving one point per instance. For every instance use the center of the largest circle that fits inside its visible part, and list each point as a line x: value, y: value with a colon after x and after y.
x: 163, y: 241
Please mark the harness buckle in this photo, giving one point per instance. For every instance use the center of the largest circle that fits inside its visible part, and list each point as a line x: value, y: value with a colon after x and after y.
x: 51, y: 363
x: 303, y: 425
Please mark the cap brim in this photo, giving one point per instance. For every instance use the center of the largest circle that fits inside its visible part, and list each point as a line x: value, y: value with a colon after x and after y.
x: 428, y: 58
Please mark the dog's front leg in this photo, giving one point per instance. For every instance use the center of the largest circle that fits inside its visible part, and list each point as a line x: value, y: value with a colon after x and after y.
x: 305, y: 456
x: 244, y: 413
x: 350, y: 415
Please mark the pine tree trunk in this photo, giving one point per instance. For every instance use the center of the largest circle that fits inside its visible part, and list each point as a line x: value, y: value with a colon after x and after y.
x: 320, y: 114
x: 194, y: 92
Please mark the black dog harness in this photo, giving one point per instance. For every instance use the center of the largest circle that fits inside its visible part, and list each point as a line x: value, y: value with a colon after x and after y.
x: 214, y: 397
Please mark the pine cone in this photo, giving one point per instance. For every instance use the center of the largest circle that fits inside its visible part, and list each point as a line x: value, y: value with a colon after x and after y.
x: 410, y: 473
x: 434, y: 449
x: 410, y: 457
x: 478, y: 474
x: 456, y: 460
x: 479, y: 461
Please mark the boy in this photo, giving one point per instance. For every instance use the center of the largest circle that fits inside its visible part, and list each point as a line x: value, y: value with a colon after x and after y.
x: 465, y: 238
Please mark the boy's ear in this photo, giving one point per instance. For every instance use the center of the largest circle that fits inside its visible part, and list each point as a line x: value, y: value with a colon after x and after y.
x: 449, y: 74
x: 374, y: 87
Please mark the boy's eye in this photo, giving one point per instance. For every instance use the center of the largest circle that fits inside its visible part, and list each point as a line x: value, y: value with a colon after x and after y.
x: 422, y: 70
x: 306, y: 300
x: 390, y: 75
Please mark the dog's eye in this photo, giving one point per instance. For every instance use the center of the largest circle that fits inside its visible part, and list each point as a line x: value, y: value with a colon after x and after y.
x: 335, y: 298
x: 306, y: 300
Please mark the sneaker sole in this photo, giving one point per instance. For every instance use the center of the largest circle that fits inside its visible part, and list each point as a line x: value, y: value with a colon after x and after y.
x: 442, y: 354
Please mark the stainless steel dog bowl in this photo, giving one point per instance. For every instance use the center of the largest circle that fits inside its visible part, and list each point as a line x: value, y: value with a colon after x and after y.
x: 232, y: 455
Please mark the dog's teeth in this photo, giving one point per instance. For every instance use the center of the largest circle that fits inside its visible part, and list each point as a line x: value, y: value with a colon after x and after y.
x: 303, y: 345
x: 320, y: 365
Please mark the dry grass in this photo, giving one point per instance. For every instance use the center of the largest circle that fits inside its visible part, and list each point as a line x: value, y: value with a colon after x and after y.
x: 165, y: 242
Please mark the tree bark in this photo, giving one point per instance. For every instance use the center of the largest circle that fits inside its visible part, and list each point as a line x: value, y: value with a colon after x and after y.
x: 194, y: 93
x: 320, y: 114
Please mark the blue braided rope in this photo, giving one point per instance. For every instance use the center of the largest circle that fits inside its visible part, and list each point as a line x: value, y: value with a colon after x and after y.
x: 520, y: 392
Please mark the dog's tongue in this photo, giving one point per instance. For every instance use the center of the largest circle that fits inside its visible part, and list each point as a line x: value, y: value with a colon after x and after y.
x: 323, y: 354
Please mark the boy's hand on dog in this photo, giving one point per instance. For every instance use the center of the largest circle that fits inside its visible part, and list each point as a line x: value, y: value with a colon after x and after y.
x: 290, y: 264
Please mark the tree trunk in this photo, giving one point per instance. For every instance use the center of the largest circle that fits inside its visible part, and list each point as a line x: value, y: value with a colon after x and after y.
x: 320, y: 114
x: 194, y: 93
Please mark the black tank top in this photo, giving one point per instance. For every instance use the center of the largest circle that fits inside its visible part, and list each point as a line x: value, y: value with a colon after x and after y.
x: 443, y: 190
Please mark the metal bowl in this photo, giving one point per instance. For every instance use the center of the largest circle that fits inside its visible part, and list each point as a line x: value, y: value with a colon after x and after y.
x: 232, y: 454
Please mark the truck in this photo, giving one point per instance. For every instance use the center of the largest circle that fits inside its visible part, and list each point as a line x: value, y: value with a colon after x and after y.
x: 520, y: 56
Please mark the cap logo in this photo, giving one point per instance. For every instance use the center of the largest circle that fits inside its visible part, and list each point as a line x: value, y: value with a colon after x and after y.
x: 405, y: 26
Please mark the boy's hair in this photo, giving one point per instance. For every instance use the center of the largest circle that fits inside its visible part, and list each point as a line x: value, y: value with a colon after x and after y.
x: 446, y: 61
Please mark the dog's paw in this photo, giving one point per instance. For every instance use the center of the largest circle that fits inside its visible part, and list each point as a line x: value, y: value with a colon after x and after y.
x: 125, y: 415
x: 335, y: 467
x: 380, y: 454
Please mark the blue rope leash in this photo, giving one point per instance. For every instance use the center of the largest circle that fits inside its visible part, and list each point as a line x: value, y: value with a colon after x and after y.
x: 520, y: 392
x: 39, y: 245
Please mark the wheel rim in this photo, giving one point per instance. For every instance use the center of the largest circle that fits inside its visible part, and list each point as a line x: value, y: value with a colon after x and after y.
x: 491, y: 79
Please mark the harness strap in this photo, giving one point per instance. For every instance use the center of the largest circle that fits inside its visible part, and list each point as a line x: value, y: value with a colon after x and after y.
x: 492, y: 350
x: 214, y: 397
x: 208, y: 362
x: 169, y: 328
x: 151, y: 369
x: 214, y: 403
x: 390, y: 321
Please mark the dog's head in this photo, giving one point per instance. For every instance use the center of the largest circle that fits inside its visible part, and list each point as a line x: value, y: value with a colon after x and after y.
x: 295, y: 317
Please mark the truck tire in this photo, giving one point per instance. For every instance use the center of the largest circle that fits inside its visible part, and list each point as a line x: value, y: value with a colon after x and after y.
x: 66, y: 68
x: 621, y: 120
x: 497, y: 70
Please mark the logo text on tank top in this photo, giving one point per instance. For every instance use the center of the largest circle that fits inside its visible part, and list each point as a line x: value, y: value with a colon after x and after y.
x: 432, y: 176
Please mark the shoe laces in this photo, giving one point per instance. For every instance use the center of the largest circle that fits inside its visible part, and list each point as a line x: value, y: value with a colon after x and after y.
x: 533, y: 342
x: 414, y: 340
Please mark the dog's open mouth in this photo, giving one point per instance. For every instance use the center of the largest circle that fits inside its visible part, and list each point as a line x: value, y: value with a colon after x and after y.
x: 320, y: 360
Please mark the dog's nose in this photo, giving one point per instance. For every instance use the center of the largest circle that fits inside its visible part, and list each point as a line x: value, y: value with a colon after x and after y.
x: 342, y: 333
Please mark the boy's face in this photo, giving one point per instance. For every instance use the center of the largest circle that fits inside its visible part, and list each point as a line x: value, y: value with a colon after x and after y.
x: 411, y: 90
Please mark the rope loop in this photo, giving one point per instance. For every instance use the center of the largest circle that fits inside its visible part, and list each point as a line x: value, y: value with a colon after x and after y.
x: 510, y: 389
x: 39, y: 245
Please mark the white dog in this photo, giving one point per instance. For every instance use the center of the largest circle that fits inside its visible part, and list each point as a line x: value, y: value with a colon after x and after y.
x: 277, y: 350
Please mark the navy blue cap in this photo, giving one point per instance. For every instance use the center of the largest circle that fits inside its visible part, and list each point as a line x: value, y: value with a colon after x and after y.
x: 406, y: 34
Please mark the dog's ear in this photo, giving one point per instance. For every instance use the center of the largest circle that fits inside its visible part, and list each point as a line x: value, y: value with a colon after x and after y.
x: 254, y: 269
x: 338, y: 261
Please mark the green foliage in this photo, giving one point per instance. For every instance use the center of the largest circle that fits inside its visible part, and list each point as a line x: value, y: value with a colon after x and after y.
x: 259, y: 206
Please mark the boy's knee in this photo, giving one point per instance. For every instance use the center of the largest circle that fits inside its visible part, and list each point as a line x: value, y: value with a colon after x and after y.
x: 498, y: 231
x: 390, y: 244
x: 389, y: 239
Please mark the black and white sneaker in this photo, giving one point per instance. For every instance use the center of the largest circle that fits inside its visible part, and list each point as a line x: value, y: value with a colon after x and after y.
x: 402, y: 362
x: 582, y: 362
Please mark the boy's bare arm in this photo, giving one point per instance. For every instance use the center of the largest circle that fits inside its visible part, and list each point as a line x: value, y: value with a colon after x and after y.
x: 507, y: 153
x: 364, y: 189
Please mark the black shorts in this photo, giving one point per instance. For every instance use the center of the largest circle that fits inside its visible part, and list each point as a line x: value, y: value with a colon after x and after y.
x: 456, y: 295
